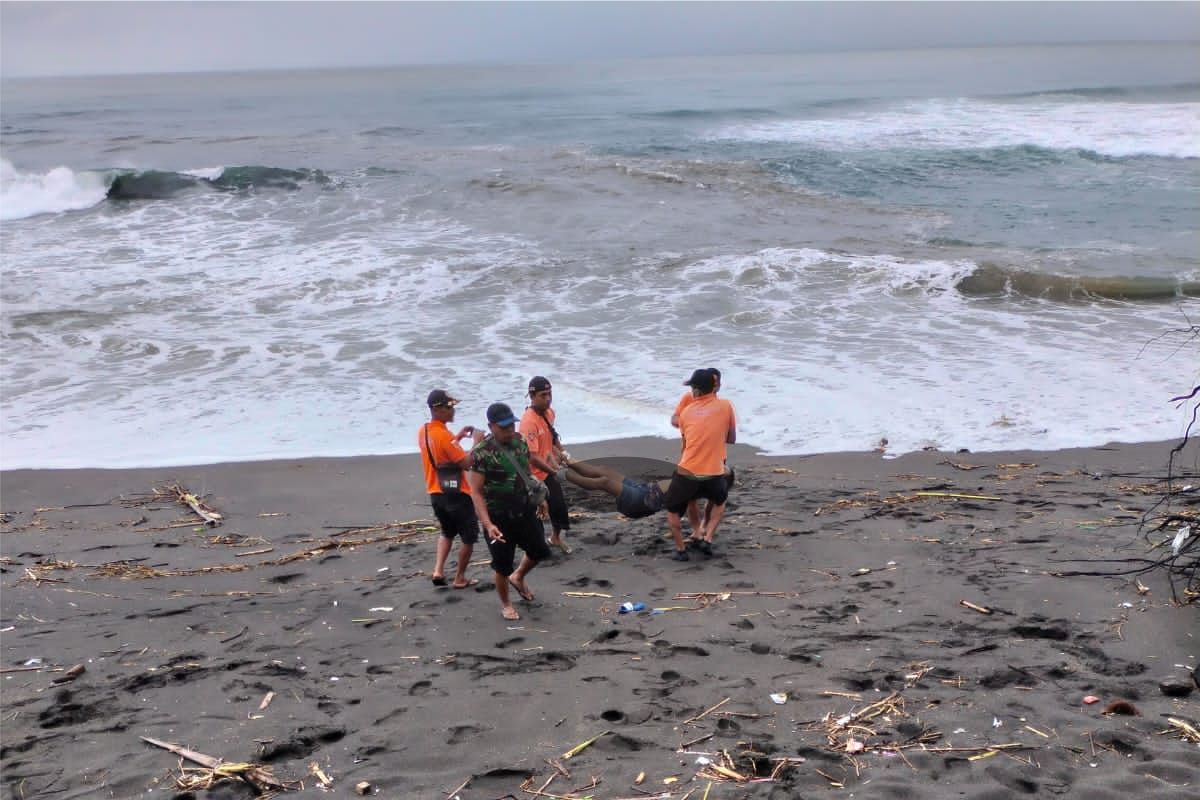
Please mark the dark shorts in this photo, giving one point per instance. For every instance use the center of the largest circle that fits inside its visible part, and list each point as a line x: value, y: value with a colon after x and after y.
x: 684, y: 489
x: 639, y: 499
x: 456, y: 514
x: 522, y: 530
x: 558, y: 504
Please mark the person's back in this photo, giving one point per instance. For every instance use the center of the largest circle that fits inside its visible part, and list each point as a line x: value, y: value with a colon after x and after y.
x: 705, y: 424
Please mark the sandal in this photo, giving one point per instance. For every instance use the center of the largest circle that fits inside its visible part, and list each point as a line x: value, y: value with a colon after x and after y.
x: 526, y: 595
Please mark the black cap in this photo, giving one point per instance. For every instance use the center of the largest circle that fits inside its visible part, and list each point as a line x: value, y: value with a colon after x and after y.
x: 538, y: 384
x: 439, y: 397
x: 500, y: 414
x: 702, y: 380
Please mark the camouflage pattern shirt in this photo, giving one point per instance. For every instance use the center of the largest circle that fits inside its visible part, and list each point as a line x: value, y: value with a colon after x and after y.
x: 504, y: 490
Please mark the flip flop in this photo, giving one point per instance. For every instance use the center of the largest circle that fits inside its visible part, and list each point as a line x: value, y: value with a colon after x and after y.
x: 525, y: 593
x: 566, y: 548
x: 514, y: 616
x: 469, y: 583
x: 439, y: 580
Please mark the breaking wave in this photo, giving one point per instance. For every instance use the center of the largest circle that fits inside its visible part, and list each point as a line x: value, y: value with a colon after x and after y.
x: 29, y: 194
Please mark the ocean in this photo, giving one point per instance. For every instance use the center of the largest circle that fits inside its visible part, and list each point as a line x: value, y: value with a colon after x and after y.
x: 962, y: 248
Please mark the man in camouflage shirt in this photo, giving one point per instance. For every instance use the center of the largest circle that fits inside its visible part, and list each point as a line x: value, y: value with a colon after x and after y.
x: 501, y: 497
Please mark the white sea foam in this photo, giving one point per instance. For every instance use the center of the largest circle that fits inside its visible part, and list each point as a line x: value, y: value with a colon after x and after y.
x: 206, y: 173
x: 1111, y: 129
x: 25, y: 194
x: 284, y: 334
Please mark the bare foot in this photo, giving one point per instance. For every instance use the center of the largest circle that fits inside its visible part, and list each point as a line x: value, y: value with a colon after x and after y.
x: 509, y: 613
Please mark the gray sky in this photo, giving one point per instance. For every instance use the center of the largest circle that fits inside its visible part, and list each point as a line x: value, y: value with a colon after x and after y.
x: 53, y: 38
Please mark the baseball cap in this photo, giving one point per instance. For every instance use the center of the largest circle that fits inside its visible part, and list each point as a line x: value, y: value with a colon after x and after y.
x: 500, y: 414
x: 538, y: 384
x: 439, y: 397
x: 701, y: 379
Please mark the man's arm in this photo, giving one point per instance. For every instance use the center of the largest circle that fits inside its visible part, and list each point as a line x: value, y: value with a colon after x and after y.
x: 467, y: 460
x: 541, y: 463
x: 731, y: 434
x: 683, y: 401
x: 537, y: 437
x: 475, y: 481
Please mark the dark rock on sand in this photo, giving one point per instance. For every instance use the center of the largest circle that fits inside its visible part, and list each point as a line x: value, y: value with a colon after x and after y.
x: 1176, y: 686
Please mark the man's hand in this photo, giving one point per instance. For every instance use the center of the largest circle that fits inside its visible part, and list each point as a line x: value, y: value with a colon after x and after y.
x: 493, y: 533
x: 543, y: 511
x: 467, y: 431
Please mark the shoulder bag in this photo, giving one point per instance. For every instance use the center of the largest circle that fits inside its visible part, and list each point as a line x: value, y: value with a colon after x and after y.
x: 536, y: 491
x: 449, y: 476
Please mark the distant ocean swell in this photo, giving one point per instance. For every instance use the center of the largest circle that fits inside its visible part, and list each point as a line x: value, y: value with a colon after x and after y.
x: 1165, y: 129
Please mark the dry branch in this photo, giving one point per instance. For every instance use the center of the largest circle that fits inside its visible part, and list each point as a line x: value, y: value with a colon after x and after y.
x: 184, y: 497
x: 257, y: 775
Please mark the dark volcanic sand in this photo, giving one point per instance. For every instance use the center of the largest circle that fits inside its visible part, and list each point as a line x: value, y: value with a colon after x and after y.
x: 830, y: 590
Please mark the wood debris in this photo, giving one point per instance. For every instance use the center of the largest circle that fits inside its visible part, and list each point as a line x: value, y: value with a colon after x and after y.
x: 1186, y: 731
x: 215, y: 770
x: 182, y: 496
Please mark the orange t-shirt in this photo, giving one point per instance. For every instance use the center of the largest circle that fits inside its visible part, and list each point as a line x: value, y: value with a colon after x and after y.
x: 683, y: 403
x: 445, y: 451
x: 704, y: 424
x: 537, y: 435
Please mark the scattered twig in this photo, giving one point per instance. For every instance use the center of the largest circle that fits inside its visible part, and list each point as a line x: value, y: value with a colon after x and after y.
x: 973, y: 607
x: 579, y: 748
x: 706, y: 712
x: 236, y: 635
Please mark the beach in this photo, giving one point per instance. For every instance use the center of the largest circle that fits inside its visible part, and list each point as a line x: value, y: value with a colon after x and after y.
x: 867, y: 627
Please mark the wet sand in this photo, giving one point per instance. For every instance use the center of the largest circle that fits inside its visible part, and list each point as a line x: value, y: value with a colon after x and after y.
x: 834, y: 587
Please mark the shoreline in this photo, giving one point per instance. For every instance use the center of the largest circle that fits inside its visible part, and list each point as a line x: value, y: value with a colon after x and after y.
x: 837, y: 588
x: 664, y: 447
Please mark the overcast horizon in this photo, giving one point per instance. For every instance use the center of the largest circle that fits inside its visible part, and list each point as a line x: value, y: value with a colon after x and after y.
x: 106, y: 38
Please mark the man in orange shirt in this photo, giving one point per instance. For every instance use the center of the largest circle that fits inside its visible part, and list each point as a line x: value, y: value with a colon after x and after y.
x: 693, y: 509
x: 537, y: 429
x: 453, y: 508
x: 707, y: 424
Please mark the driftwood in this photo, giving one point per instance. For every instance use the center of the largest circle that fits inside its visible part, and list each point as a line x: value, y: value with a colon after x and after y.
x: 255, y: 774
x: 184, y: 497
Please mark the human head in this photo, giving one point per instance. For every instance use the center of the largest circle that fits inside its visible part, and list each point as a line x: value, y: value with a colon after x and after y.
x: 441, y: 405
x: 540, y: 393
x: 502, y: 422
x: 702, y: 382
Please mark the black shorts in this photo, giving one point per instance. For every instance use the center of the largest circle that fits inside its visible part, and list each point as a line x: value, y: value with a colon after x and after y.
x: 684, y: 489
x: 522, y: 530
x: 456, y: 514
x: 639, y: 499
x: 558, y: 504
